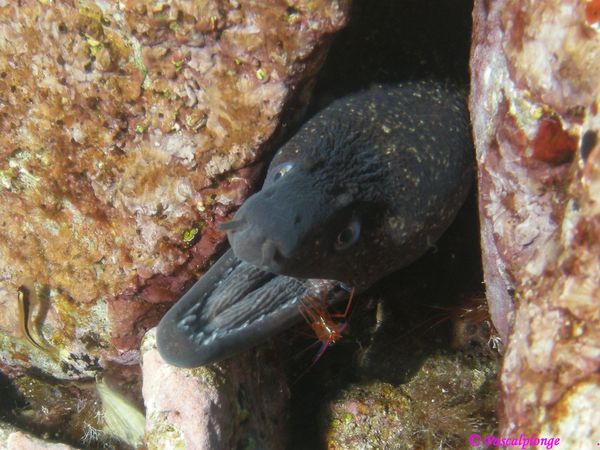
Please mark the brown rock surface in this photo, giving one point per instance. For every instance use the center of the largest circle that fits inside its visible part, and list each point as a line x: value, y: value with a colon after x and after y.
x: 535, y: 93
x: 128, y: 132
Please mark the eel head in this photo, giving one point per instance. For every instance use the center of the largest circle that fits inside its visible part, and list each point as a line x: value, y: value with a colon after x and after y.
x: 320, y: 211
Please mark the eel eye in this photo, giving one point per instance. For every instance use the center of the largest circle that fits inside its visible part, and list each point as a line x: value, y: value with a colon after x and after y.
x: 348, y: 236
x: 282, y: 169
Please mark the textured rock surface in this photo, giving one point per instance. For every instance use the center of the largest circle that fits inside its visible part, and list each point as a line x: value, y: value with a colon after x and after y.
x: 13, y: 439
x: 440, y: 407
x: 535, y: 93
x: 128, y: 130
x: 23, y: 441
x: 240, y: 403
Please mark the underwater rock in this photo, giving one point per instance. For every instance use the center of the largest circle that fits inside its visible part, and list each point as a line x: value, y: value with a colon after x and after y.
x: 128, y: 133
x: 534, y: 104
x: 448, y: 398
x: 240, y: 403
x: 23, y: 441
x: 13, y: 439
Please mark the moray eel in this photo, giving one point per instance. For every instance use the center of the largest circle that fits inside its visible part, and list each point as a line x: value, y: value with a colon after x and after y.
x: 365, y: 187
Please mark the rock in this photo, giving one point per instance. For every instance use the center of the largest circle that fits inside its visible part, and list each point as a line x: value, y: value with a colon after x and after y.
x: 13, y: 439
x: 407, y: 384
x: 444, y: 402
x: 23, y: 441
x: 240, y: 403
x: 534, y: 104
x: 128, y: 133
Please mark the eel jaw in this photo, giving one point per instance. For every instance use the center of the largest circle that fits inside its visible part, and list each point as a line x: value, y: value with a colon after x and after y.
x: 232, y: 308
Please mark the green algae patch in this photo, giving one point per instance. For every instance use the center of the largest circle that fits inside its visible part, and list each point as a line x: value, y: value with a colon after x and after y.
x: 189, y: 235
x: 90, y: 10
x: 164, y: 436
x: 214, y: 375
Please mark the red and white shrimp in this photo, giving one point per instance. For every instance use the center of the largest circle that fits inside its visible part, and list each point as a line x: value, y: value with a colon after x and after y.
x: 313, y: 308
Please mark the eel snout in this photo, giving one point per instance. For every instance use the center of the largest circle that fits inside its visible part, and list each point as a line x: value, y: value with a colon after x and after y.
x: 264, y: 232
x: 233, y: 307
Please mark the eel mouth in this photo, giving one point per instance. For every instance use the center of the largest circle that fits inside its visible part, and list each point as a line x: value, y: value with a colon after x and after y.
x: 232, y: 308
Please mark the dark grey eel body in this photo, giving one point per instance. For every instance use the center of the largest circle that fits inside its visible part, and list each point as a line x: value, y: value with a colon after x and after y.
x: 363, y: 189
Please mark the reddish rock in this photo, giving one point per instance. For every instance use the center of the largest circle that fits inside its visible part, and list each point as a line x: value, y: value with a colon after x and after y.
x: 128, y: 132
x: 535, y: 87
x: 592, y: 12
x: 239, y: 403
x: 552, y: 144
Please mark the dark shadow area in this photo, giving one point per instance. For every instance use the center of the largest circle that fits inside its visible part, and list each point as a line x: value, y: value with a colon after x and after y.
x: 10, y: 399
x: 394, y: 328
x: 388, y: 41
